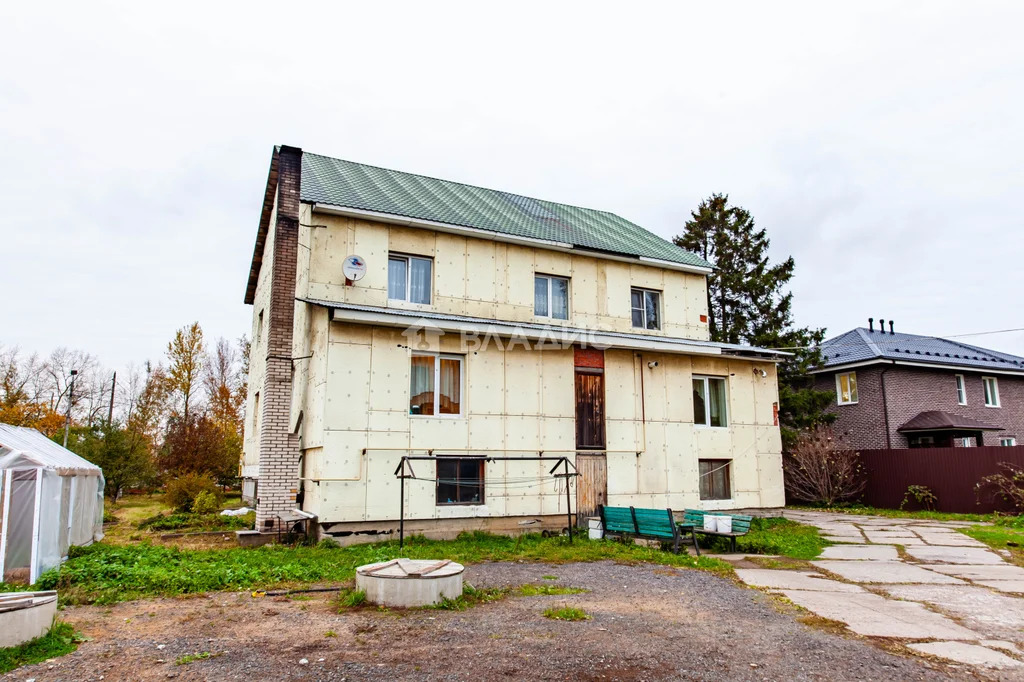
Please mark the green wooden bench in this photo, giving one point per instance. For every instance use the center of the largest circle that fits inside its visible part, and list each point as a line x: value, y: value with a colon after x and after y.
x: 652, y: 524
x: 740, y: 524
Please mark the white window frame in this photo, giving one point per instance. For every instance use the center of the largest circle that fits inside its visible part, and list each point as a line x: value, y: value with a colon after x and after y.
x: 1008, y: 442
x: 961, y: 389
x: 642, y: 290
x: 707, y: 402
x: 437, y: 385
x: 854, y: 392
x: 409, y: 258
x: 966, y: 442
x: 550, y: 316
x: 993, y: 394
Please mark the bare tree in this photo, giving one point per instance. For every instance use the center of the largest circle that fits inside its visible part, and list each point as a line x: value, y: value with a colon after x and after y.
x: 88, y: 383
x: 224, y: 384
x: 820, y: 469
x: 1007, y: 485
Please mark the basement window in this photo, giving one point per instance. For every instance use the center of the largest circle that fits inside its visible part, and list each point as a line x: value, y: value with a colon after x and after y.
x: 435, y: 385
x: 991, y: 391
x: 551, y: 297
x: 714, y: 479
x: 709, y: 401
x: 409, y: 278
x: 846, y: 388
x: 646, y: 308
x: 460, y: 480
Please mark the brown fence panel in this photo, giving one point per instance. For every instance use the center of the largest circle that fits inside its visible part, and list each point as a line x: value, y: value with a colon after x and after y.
x: 950, y: 473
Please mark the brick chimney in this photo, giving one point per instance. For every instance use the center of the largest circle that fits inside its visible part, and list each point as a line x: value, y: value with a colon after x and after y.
x: 279, y: 447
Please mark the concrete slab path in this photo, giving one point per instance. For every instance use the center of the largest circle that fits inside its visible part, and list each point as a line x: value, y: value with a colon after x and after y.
x: 911, y: 579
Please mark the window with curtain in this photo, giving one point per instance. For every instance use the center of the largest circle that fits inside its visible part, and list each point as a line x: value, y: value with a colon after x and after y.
x: 846, y: 388
x: 551, y: 297
x: 421, y: 391
x: 646, y: 308
x: 409, y: 278
x: 714, y: 479
x: 460, y: 480
x: 709, y: 401
x: 435, y: 385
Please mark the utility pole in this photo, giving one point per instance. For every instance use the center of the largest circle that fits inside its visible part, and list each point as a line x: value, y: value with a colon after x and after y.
x: 71, y: 401
x: 110, y: 413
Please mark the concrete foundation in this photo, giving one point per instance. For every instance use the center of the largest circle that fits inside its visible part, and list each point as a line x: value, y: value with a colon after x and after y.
x: 25, y: 616
x: 409, y: 583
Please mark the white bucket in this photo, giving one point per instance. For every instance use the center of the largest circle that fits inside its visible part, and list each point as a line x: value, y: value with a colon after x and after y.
x: 594, y: 528
x: 710, y: 523
x: 724, y: 524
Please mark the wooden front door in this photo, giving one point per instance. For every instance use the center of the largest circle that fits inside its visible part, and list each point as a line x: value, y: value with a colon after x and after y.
x: 591, y: 463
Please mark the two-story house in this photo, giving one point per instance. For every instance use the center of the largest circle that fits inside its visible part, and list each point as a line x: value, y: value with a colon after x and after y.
x: 896, y: 390
x: 396, y: 314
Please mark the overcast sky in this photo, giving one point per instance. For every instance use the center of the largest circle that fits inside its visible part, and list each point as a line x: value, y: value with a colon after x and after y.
x: 881, y: 144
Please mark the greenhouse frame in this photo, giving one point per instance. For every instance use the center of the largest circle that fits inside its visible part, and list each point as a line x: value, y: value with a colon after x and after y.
x: 50, y: 499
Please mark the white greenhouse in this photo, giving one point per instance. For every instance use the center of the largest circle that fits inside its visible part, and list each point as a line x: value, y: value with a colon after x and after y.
x: 50, y: 499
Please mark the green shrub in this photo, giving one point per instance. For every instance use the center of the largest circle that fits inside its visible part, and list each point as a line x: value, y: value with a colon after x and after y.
x: 183, y: 490
x: 206, y: 503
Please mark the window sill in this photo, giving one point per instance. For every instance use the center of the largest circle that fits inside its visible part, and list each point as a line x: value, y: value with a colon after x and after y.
x: 995, y: 407
x: 408, y: 305
x: 438, y: 416
x: 855, y: 402
x: 711, y: 428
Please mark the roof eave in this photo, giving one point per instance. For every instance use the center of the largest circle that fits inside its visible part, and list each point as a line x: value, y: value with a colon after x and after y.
x: 406, y: 318
x: 911, y: 363
x: 478, y: 233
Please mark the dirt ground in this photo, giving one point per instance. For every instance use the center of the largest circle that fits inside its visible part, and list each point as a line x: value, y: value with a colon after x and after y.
x: 648, y: 623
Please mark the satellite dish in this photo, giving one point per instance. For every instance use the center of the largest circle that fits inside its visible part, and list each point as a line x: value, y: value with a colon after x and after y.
x: 354, y: 268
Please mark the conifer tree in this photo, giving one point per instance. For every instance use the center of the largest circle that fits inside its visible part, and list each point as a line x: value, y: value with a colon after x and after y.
x: 748, y: 303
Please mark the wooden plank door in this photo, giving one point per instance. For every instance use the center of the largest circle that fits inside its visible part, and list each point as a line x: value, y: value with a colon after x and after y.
x: 592, y: 482
x: 591, y: 485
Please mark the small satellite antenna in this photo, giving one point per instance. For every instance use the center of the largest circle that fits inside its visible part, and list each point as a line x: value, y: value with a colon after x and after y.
x: 354, y: 268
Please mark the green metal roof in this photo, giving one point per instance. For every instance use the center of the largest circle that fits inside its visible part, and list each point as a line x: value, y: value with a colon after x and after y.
x: 354, y: 185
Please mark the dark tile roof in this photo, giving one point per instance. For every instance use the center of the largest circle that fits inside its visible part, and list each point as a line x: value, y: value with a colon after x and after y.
x: 861, y: 345
x: 354, y: 185
x: 936, y: 420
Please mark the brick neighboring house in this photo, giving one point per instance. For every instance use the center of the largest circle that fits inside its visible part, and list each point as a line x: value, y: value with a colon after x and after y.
x: 896, y: 390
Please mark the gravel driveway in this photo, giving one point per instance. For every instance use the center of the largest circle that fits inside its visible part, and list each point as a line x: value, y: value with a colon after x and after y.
x: 648, y: 623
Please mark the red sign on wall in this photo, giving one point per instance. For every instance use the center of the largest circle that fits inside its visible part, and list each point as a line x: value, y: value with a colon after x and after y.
x: 589, y: 357
x: 775, y: 413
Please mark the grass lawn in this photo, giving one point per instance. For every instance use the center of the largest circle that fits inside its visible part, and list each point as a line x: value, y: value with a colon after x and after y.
x: 140, y: 517
x: 106, y: 573
x: 777, y: 536
x: 60, y: 640
x: 1007, y: 532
